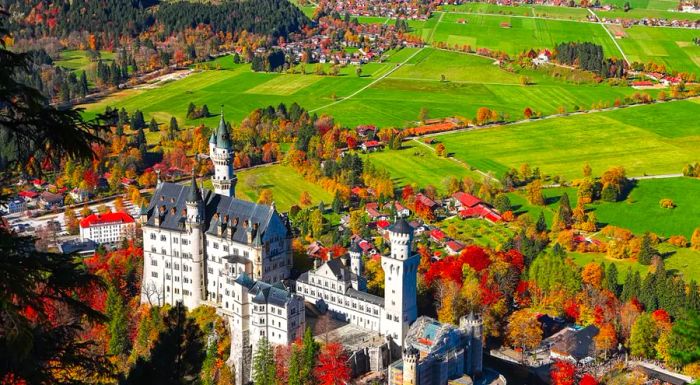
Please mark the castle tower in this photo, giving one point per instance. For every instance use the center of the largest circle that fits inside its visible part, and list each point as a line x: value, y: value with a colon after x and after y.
x: 399, y: 282
x: 355, y: 253
x: 473, y: 328
x: 221, y: 153
x: 195, y: 219
x: 410, y: 366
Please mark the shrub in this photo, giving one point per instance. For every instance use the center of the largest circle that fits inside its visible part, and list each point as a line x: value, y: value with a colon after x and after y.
x: 667, y: 203
x: 678, y: 240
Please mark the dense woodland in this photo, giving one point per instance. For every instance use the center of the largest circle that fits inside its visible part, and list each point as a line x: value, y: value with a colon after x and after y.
x: 590, y: 57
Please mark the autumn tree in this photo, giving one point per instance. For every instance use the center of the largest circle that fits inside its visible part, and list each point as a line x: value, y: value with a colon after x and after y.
x: 332, y: 368
x: 305, y: 199
x: 527, y: 113
x: 534, y: 193
x: 71, y: 221
x: 440, y: 150
x: 265, y: 197
x: 563, y: 373
x: 606, y: 339
x: 592, y: 274
x: 524, y: 330
x: 695, y: 240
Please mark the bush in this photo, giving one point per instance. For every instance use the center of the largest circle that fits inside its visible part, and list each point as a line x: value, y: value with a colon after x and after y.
x: 678, y: 241
x: 667, y: 203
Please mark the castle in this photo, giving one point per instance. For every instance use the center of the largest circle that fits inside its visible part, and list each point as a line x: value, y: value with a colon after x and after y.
x: 210, y: 248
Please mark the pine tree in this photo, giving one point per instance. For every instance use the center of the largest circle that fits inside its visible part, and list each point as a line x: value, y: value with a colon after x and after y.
x: 83, y: 84
x: 173, y: 129
x: 632, y: 285
x: 693, y: 299
x: 204, y: 112
x: 294, y: 366
x: 118, y: 323
x: 264, y: 364
x: 565, y: 214
x: 647, y: 294
x: 153, y: 125
x: 646, y: 250
x: 610, y: 282
x: 140, y: 137
x: 191, y: 111
x: 541, y: 224
x: 309, y: 350
x: 337, y: 204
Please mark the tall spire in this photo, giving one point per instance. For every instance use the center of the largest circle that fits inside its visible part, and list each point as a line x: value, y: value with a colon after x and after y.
x: 194, y: 195
x: 223, y: 139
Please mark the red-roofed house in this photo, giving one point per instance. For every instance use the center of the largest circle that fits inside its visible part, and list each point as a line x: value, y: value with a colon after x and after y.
x: 481, y: 211
x: 38, y: 183
x: 437, y: 235
x: 427, y: 202
x: 371, y: 145
x: 464, y: 200
x: 107, y: 228
x: 372, y: 211
x: 454, y: 247
x: 28, y: 194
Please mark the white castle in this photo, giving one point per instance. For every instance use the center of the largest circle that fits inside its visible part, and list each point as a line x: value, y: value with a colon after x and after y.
x: 210, y: 248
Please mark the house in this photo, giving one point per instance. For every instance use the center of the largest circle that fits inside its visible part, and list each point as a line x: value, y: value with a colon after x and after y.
x: 38, y: 183
x: 16, y: 205
x: 400, y: 209
x: 372, y: 211
x: 371, y: 146
x: 79, y: 195
x: 75, y: 246
x: 454, y: 247
x: 107, y: 228
x: 315, y: 249
x: 426, y: 202
x: 573, y: 343
x: 436, y: 235
x: 49, y: 200
x: 463, y: 200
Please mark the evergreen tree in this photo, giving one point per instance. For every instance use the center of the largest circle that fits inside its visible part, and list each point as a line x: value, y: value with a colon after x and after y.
x: 502, y: 203
x: 632, y: 285
x: 83, y: 84
x: 153, y: 125
x: 191, y: 111
x: 647, y: 294
x: 118, y: 322
x: 337, y: 204
x: 309, y: 350
x: 541, y: 224
x: 204, y: 112
x: 693, y: 299
x: 610, y: 282
x: 687, y: 331
x: 173, y: 129
x: 609, y: 193
x: 264, y: 364
x: 140, y: 137
x: 646, y: 251
x: 294, y: 366
x: 565, y: 214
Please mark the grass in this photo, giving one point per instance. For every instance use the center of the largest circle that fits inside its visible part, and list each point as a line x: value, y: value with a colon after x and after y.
x: 478, y: 232
x: 672, y: 47
x: 416, y: 164
x: 646, y: 140
x: 286, y: 185
x: 524, y: 33
x: 77, y: 60
x: 472, y: 82
x: 520, y: 10
x: 682, y: 261
x: 641, y: 211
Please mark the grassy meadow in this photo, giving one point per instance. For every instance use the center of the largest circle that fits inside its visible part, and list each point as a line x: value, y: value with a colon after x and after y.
x: 646, y: 140
x: 396, y: 100
x: 77, y: 60
x: 520, y: 10
x: 286, y: 185
x: 672, y: 47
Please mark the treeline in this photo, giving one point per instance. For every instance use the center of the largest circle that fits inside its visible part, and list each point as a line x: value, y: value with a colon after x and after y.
x: 53, y: 82
x: 129, y: 18
x: 273, y: 61
x: 590, y: 57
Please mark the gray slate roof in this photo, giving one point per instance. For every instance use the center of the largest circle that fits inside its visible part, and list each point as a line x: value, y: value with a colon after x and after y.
x: 366, y: 297
x: 173, y: 195
x: 401, y: 227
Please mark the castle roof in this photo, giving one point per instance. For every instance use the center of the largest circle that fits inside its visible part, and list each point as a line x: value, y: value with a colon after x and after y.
x: 105, y: 219
x: 169, y: 201
x: 223, y: 139
x: 194, y: 195
x: 401, y: 227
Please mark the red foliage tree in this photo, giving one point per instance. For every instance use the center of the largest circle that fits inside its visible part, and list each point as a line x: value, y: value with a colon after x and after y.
x: 450, y: 268
x: 588, y: 379
x: 332, y: 368
x: 563, y: 373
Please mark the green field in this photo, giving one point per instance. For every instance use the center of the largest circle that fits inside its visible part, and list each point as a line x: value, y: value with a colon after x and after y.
x: 656, y: 139
x: 660, y: 9
x: 478, y: 232
x: 520, y: 10
x: 416, y: 164
x: 524, y: 33
x: 286, y: 185
x: 77, y: 60
x: 672, y: 47
x: 396, y: 100
x: 682, y: 261
x: 641, y: 211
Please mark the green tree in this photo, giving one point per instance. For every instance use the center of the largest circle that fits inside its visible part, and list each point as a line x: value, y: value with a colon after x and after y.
x: 337, y: 203
x: 153, y: 125
x: 316, y: 223
x: 541, y: 224
x: 118, y: 326
x: 632, y: 286
x: 502, y: 203
x: 610, y: 281
x: 295, y: 358
x: 643, y: 337
x: 687, y: 331
x: 646, y: 251
x: 264, y: 364
x: 565, y: 214
x: 309, y: 357
x: 177, y: 355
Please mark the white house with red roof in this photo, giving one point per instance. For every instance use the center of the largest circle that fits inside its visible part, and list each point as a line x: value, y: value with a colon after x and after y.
x: 470, y: 206
x: 107, y: 228
x: 454, y: 247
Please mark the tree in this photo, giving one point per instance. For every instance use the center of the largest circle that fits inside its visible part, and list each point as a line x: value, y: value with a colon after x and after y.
x: 502, y: 203
x: 524, y: 330
x: 592, y: 274
x: 610, y: 281
x: 643, y: 337
x: 587, y: 171
x: 646, y: 251
x: 527, y: 113
x: 265, y: 197
x: 264, y: 364
x: 687, y: 333
x: 541, y: 224
x: 118, y: 326
x: 423, y: 115
x: 606, y: 339
x: 309, y: 354
x: 332, y: 368
x: 563, y: 373
x: 565, y: 214
x: 294, y: 377
x: 316, y: 223
x: 534, y: 193
x: 695, y: 240
x: 177, y: 355
x: 153, y: 125
x: 440, y: 150
x: 305, y: 199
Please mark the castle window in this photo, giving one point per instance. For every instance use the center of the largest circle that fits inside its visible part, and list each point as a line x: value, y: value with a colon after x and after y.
x: 153, y: 235
x: 174, y: 240
x: 226, y: 248
x: 163, y: 238
x: 154, y: 262
x: 216, y: 245
x: 154, y: 274
x: 167, y: 276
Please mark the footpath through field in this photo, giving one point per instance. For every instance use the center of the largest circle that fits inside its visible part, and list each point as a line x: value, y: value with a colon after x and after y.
x: 387, y: 73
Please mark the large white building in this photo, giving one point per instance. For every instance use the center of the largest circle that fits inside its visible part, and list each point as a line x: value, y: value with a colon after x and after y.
x: 107, y: 228
x: 338, y: 286
x: 209, y: 248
